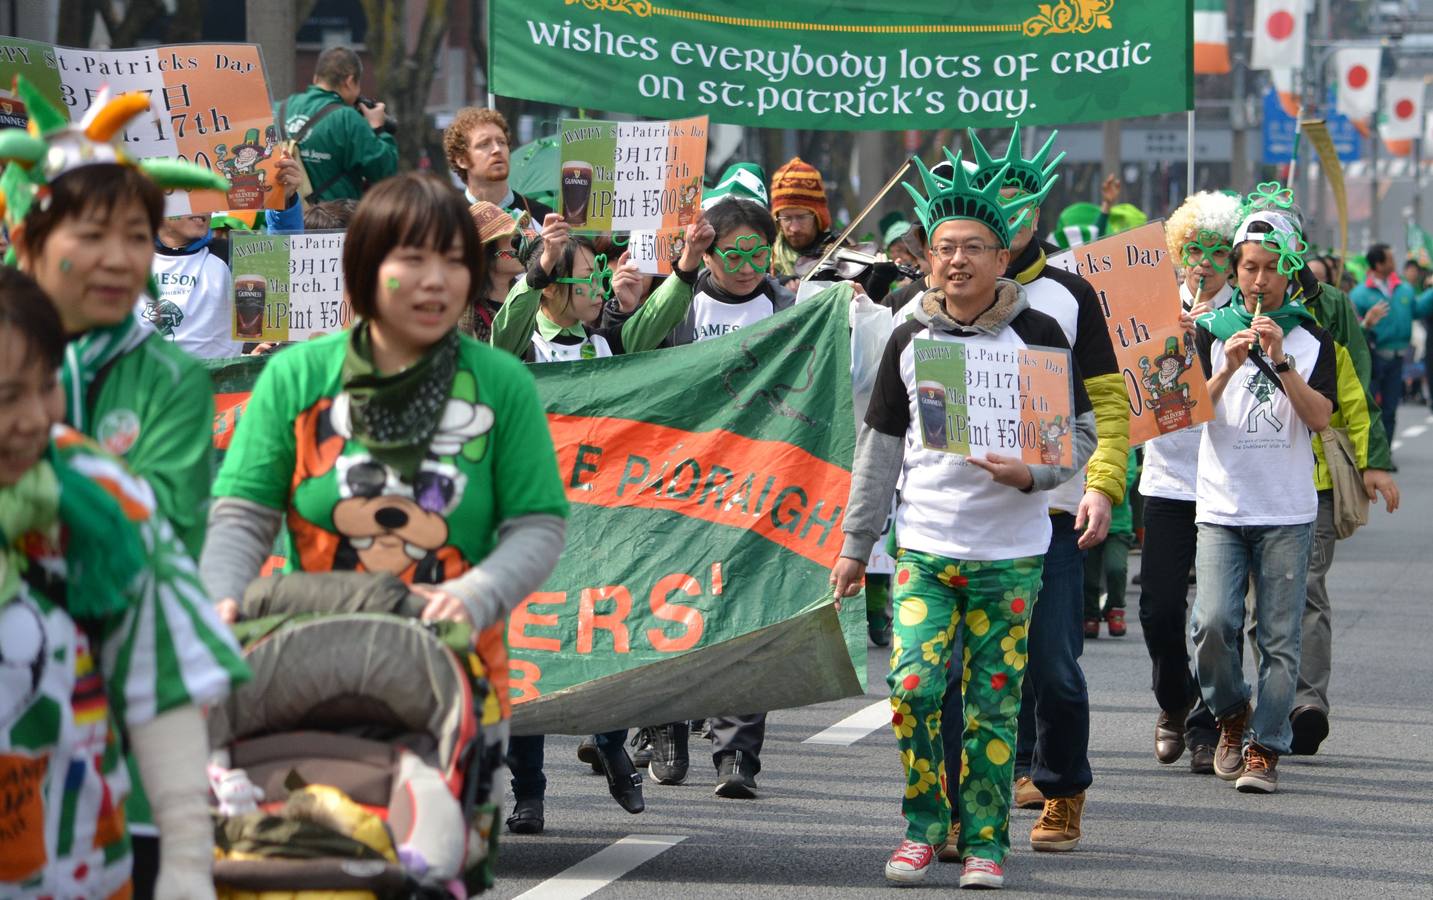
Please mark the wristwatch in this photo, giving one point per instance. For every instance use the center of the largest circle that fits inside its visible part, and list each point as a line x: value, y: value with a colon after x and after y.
x: 1283, y: 367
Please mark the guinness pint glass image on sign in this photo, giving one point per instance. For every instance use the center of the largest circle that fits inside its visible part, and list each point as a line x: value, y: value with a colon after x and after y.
x: 250, y: 292
x: 930, y: 397
x: 576, y: 190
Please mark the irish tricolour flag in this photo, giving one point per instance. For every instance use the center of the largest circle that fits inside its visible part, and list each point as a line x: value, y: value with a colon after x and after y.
x: 1211, y: 38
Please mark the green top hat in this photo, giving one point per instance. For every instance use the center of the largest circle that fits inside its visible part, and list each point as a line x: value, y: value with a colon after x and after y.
x: 743, y: 180
x: 1031, y: 175
x: 1171, y: 351
x: 957, y: 198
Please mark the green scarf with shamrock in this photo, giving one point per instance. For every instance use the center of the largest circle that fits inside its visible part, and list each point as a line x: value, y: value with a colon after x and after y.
x: 1230, y: 320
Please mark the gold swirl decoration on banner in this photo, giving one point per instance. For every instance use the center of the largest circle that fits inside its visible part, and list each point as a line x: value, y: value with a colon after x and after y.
x: 1070, y: 17
x: 1063, y: 17
x: 643, y: 9
x: 640, y: 8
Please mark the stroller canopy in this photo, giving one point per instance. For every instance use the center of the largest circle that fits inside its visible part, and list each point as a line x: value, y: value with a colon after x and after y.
x: 375, y: 676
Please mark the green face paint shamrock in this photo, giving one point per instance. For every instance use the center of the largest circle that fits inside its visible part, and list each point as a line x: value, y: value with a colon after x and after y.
x: 1291, y: 249
x: 1208, y: 245
x: 599, y: 282
x: 748, y: 251
x: 1270, y: 195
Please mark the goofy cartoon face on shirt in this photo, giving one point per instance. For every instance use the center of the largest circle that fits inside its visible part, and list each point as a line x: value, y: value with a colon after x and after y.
x: 383, y: 523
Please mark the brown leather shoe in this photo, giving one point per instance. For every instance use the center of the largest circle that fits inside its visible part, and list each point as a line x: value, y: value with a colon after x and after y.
x: 1059, y: 827
x: 1169, y: 736
x: 1229, y: 754
x: 1027, y: 796
x: 1201, y: 759
x: 1261, y: 772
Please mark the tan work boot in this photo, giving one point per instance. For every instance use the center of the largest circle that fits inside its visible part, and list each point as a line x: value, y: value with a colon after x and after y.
x: 1229, y: 754
x: 1027, y: 796
x: 950, y: 850
x: 1059, y: 826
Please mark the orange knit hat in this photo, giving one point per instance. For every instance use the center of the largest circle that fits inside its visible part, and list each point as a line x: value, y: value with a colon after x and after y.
x: 798, y: 184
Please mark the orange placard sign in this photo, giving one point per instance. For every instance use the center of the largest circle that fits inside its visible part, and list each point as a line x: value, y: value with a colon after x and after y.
x: 1139, y: 294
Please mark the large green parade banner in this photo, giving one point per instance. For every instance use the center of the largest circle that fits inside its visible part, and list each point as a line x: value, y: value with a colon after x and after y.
x: 708, y: 485
x: 849, y: 64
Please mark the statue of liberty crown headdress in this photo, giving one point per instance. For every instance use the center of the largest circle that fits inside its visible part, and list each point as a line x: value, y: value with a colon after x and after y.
x: 958, y: 198
x: 50, y: 145
x: 1029, y: 175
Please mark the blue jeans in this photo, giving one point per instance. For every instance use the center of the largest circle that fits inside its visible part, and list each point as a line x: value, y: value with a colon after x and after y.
x: 1277, y: 558
x: 1054, y: 733
x: 1388, y: 385
x: 525, y: 761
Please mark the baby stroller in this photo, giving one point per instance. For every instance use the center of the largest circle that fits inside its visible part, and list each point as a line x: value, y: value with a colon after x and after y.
x: 354, y: 719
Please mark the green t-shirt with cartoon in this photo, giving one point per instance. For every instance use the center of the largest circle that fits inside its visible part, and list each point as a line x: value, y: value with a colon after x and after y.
x: 491, y: 460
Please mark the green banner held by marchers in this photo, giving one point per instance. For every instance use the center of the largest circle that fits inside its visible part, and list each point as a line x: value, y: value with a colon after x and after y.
x: 708, y: 485
x: 857, y: 65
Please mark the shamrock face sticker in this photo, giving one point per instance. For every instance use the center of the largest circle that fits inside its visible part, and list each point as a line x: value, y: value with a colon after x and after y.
x: 747, y: 251
x: 1208, y: 245
x: 1291, y: 249
x: 1270, y: 195
x: 599, y: 282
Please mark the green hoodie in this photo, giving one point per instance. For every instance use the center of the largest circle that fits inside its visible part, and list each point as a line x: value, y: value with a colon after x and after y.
x: 342, y: 150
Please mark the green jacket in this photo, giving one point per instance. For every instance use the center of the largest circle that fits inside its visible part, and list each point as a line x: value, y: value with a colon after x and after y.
x: 1357, y: 411
x: 154, y: 407
x: 342, y: 150
x: 644, y: 330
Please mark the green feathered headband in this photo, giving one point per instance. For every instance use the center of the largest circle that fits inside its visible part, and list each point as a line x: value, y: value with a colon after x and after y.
x: 958, y: 198
x: 50, y: 145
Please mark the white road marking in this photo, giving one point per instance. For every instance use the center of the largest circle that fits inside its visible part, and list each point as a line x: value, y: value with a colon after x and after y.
x: 855, y: 726
x: 603, y: 867
x: 1395, y: 445
x: 1415, y: 431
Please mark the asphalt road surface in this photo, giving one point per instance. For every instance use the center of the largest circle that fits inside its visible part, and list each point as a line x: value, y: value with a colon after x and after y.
x: 1354, y: 821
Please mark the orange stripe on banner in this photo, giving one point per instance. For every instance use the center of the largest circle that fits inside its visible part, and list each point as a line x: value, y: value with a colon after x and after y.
x: 227, y: 408
x: 782, y: 492
x: 1211, y: 59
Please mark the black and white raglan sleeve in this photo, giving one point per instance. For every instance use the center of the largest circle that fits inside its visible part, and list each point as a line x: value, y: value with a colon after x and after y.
x: 880, y: 450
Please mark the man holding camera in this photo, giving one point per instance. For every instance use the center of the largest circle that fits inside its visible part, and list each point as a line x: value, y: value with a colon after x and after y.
x: 345, y: 141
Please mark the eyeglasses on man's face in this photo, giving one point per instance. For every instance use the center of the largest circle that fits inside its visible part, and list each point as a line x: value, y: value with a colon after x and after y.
x: 972, y: 249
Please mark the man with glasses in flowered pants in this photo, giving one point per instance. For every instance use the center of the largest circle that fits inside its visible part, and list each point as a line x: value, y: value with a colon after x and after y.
x: 972, y: 532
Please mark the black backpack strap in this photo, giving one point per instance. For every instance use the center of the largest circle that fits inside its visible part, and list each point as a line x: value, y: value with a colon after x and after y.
x: 314, y: 120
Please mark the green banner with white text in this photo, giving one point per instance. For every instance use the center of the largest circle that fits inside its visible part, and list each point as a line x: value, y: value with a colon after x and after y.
x: 849, y: 65
x: 708, y: 484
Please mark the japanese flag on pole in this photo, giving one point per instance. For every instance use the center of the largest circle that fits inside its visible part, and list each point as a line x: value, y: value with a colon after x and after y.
x: 1358, y: 80
x: 1402, y: 108
x: 1278, y: 35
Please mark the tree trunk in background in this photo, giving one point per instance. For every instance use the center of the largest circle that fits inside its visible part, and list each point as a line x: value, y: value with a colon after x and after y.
x: 404, y: 78
x: 125, y: 22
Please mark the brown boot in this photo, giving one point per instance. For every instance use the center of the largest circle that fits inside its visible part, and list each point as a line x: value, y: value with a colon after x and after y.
x: 1058, y: 829
x: 1229, y: 753
x: 1027, y: 796
x: 950, y: 850
x: 1261, y: 773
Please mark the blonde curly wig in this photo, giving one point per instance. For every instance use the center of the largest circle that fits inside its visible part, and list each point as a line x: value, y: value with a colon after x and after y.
x: 1204, y: 211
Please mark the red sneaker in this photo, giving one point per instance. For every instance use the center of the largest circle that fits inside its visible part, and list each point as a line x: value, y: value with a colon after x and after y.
x: 982, y: 873
x: 910, y: 863
x: 1092, y: 629
x: 1115, y: 618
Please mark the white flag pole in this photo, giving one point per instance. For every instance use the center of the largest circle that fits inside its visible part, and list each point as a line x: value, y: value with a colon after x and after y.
x: 1189, y: 176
